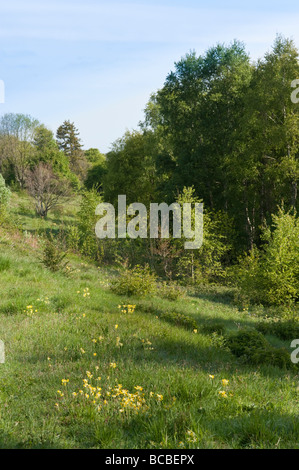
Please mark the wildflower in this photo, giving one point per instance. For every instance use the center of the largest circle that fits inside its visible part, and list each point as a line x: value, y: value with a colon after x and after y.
x: 82, y: 350
x: 112, y: 365
x: 212, y: 376
x: 224, y: 382
x: 223, y: 394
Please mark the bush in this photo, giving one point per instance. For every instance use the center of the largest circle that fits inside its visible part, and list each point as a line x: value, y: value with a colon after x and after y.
x: 170, y: 291
x: 253, y: 348
x: 285, y: 330
x: 136, y: 281
x: 179, y: 319
x: 53, y: 257
x: 85, y: 235
x: 244, y: 342
x: 271, y: 275
x: 211, y: 328
x: 278, y: 357
x: 5, y: 195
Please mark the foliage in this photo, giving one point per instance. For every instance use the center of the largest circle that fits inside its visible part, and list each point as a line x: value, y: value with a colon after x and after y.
x: 46, y: 188
x: 53, y: 257
x: 215, y: 327
x: 88, y: 243
x: 170, y: 291
x: 253, y: 348
x: 179, y: 319
x: 271, y: 275
x: 136, y: 281
x: 5, y: 195
x: 285, y: 330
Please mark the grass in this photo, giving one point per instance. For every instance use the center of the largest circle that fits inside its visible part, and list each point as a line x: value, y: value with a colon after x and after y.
x: 72, y: 336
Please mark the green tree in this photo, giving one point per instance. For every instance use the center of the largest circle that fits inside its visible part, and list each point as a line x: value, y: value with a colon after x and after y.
x: 131, y: 169
x: 69, y: 142
x: 17, y: 134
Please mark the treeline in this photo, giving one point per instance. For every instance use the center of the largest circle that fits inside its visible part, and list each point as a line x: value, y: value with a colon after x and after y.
x: 222, y: 130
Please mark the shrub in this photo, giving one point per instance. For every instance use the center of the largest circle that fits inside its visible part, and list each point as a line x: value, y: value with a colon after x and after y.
x: 271, y: 275
x: 250, y: 345
x: 53, y: 257
x: 5, y: 195
x: 87, y: 219
x: 244, y: 342
x: 285, y: 330
x: 211, y: 328
x: 278, y: 357
x: 179, y: 319
x: 136, y: 281
x: 170, y: 291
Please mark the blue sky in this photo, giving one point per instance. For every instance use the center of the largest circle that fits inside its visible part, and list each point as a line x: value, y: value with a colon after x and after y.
x: 97, y: 62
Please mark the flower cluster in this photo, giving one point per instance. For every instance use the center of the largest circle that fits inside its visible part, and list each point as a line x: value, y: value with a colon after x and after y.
x: 127, y: 308
x: 100, y: 394
x: 30, y: 311
x: 222, y: 393
x: 86, y: 292
x: 44, y: 300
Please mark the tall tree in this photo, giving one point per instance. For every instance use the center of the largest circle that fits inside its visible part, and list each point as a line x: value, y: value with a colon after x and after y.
x: 17, y: 133
x: 69, y: 142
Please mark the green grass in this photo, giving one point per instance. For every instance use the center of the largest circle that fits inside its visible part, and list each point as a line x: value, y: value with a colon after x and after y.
x: 56, y: 342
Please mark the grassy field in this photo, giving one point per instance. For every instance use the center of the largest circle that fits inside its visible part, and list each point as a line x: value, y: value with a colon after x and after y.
x: 80, y: 373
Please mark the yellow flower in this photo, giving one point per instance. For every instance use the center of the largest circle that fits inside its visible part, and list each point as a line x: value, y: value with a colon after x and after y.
x: 116, y: 326
x: 212, y: 376
x: 224, y: 382
x: 112, y: 365
x: 223, y: 394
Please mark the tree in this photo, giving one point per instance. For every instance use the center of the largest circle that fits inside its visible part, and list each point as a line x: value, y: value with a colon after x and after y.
x: 47, y: 151
x: 94, y: 156
x: 47, y: 189
x: 68, y: 141
x: 263, y: 168
x: 17, y: 132
x: 130, y: 169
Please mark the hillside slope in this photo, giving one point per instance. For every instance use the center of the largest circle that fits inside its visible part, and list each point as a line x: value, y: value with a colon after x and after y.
x: 80, y: 373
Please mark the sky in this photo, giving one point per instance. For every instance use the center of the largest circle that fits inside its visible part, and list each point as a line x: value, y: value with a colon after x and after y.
x: 96, y: 62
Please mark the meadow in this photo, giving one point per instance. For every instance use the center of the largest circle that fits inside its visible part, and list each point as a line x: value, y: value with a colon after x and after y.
x: 86, y: 368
